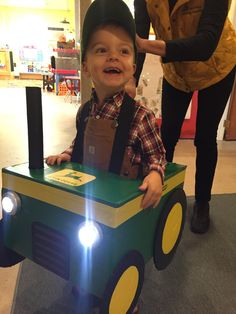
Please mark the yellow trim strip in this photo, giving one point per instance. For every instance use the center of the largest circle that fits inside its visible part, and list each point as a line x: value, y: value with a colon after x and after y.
x: 174, y: 181
x: 108, y: 215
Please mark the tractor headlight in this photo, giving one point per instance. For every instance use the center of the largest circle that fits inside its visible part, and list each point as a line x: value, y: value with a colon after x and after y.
x: 89, y: 233
x: 11, y: 202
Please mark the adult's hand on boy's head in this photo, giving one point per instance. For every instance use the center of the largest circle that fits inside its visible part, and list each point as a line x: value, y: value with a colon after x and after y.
x: 140, y: 43
x: 152, y: 186
x: 57, y: 159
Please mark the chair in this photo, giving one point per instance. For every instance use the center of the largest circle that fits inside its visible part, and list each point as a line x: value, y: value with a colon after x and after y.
x: 70, y: 89
x: 73, y: 88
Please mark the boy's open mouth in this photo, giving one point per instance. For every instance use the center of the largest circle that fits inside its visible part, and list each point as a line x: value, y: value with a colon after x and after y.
x: 112, y: 70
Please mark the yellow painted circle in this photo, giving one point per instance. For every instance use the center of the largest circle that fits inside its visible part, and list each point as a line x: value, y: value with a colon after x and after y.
x: 172, y: 228
x: 124, y: 291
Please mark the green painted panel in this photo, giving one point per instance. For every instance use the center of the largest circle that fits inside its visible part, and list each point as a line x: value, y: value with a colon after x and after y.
x: 108, y: 188
x: 91, y: 269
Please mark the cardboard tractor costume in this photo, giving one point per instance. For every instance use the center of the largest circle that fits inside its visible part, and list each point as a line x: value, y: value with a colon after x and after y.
x: 86, y: 225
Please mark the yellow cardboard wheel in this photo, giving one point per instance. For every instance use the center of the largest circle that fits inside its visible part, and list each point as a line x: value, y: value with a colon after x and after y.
x: 125, y: 285
x: 169, y: 229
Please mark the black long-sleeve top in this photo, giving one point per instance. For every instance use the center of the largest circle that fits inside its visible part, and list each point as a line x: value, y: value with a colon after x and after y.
x: 195, y: 48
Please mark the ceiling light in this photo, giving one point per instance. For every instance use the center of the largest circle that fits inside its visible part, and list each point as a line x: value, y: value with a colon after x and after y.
x: 65, y: 21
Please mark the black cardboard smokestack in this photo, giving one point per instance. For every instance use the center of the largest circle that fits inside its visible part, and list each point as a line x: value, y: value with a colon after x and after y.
x: 35, y: 127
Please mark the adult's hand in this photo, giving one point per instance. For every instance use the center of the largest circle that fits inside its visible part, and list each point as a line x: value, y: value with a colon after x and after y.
x: 156, y: 47
x: 140, y: 43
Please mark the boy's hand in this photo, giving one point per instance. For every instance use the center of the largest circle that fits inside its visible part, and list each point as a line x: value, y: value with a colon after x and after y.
x: 152, y: 186
x: 58, y: 159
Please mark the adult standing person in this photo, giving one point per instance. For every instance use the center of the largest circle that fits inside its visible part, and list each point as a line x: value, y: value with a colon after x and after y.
x: 197, y: 44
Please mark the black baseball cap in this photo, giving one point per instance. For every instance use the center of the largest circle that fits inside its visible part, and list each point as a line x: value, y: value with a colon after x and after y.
x: 107, y: 11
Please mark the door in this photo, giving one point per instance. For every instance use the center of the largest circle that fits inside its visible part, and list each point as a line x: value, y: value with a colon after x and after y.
x: 230, y: 124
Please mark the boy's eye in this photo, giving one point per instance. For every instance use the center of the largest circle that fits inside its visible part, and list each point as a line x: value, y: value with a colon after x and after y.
x: 100, y: 50
x: 125, y: 51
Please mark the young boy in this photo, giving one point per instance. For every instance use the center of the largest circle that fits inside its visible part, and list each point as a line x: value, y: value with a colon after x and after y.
x: 113, y: 132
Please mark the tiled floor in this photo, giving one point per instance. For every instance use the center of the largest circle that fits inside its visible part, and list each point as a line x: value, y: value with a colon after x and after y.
x: 59, y: 129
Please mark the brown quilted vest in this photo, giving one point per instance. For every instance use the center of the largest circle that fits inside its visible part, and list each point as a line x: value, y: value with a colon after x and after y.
x: 182, y: 23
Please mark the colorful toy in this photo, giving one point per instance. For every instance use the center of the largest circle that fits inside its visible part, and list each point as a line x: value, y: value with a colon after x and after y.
x: 87, y: 226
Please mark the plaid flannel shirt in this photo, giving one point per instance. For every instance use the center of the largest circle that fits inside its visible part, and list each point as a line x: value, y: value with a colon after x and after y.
x: 144, y: 143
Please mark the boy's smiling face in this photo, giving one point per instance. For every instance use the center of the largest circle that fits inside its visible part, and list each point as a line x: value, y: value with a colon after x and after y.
x: 109, y: 60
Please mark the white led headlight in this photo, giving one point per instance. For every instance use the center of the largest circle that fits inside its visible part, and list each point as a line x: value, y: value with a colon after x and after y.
x: 11, y: 202
x: 89, y: 233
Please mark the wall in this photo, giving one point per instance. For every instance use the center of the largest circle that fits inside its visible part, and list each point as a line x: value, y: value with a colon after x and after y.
x: 221, y: 129
x: 20, y: 26
x: 232, y: 12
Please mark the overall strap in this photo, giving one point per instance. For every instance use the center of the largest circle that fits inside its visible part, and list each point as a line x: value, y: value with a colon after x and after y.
x: 77, y: 154
x: 122, y: 134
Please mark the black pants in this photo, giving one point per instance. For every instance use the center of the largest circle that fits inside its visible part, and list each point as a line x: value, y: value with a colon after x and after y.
x: 211, y: 104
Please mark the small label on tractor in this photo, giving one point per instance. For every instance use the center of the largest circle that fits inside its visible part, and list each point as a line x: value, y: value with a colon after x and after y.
x: 71, y: 177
